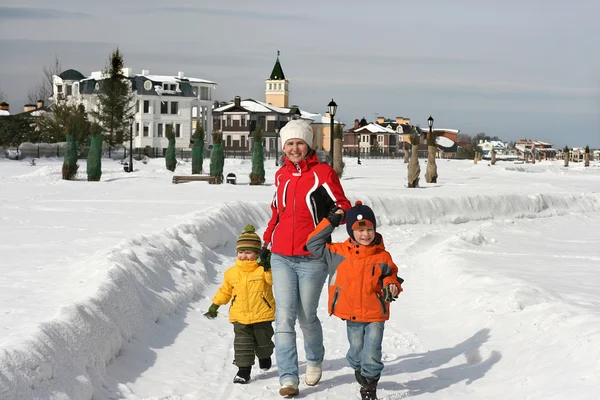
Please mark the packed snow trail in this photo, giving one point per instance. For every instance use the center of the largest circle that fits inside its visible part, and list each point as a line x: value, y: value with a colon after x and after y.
x: 455, y: 332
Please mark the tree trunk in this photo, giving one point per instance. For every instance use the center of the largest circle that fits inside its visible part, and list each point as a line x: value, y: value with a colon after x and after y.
x: 431, y: 175
x: 533, y: 158
x: 586, y: 158
x: 476, y: 158
x: 493, y: 158
x: 566, y: 159
x: 338, y: 162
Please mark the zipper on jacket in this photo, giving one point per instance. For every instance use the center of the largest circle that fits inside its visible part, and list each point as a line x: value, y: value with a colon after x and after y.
x: 232, y: 301
x: 266, y: 302
x: 373, y: 272
x: 336, y: 295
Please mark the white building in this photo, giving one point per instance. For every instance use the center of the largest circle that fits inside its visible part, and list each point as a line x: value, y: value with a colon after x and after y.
x: 158, y: 101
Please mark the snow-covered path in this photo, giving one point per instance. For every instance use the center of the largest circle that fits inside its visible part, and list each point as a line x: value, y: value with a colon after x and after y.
x: 455, y: 332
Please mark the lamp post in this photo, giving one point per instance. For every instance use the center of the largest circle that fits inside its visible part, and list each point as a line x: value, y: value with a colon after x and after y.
x: 332, y: 109
x: 358, y: 146
x: 131, y: 143
x: 277, y: 143
x: 430, y: 123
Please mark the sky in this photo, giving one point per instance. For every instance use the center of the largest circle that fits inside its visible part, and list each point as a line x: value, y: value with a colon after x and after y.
x: 104, y: 284
x: 513, y: 69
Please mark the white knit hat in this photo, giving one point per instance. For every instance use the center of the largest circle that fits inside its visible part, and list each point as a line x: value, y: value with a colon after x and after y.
x: 296, y: 129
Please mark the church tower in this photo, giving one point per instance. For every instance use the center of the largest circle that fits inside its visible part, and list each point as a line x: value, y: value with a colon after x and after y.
x: 277, y: 88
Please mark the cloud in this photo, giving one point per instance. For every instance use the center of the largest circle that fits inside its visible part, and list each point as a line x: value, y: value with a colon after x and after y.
x: 219, y: 12
x: 11, y: 13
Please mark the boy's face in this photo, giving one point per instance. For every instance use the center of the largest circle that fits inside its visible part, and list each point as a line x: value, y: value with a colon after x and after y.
x: 365, y: 235
x: 247, y: 255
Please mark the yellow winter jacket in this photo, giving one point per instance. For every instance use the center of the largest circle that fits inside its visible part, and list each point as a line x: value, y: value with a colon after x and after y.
x: 249, y: 288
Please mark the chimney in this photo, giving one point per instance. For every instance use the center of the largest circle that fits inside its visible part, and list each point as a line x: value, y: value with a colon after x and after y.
x: 180, y: 75
x: 355, y: 123
x: 327, y: 115
x: 145, y: 72
x: 40, y: 104
x: 28, y: 107
x: 237, y: 100
x: 380, y: 120
x: 4, y: 106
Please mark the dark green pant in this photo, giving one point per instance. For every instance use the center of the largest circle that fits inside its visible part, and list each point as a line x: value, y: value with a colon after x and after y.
x: 252, y: 340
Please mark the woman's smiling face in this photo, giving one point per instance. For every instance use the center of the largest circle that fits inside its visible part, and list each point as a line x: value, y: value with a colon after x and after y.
x: 295, y: 150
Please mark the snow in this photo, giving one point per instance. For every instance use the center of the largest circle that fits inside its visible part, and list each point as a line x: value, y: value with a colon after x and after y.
x: 4, y: 113
x: 104, y: 283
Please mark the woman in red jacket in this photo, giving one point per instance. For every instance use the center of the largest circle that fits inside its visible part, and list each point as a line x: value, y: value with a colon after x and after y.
x: 307, y: 190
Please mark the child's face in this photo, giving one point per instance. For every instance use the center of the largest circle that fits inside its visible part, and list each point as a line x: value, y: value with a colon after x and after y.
x: 365, y: 235
x: 247, y: 255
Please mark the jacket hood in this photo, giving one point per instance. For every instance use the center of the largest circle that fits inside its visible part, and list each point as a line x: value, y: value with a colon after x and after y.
x: 246, y: 265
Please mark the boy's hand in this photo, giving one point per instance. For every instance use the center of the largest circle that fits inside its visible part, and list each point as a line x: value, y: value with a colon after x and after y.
x: 264, y: 258
x: 335, y: 216
x: 212, y: 311
x: 390, y: 292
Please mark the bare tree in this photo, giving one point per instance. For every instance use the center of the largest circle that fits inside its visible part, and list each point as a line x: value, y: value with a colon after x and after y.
x: 2, y: 96
x: 43, y: 90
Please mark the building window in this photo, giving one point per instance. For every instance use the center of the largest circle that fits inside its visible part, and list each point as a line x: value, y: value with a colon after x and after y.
x: 164, y: 107
x: 69, y: 90
x: 228, y: 141
x: 243, y: 141
x: 137, y: 129
x: 146, y: 130
x: 204, y: 93
x: 243, y: 119
x: 58, y: 88
x: 160, y: 130
x: 228, y: 120
x: 146, y: 106
x: 174, y: 107
x: 137, y: 106
x: 270, y: 86
x: 194, y: 112
x: 380, y: 139
x: 177, y: 130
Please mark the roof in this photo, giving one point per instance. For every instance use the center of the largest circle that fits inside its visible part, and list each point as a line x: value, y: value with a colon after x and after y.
x: 373, y: 128
x: 71, y: 75
x: 277, y: 73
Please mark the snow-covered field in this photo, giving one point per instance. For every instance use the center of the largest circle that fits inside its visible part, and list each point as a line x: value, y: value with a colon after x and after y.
x: 103, y: 285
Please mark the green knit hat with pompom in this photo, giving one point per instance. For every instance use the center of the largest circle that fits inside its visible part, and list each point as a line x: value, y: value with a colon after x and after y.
x: 248, y: 240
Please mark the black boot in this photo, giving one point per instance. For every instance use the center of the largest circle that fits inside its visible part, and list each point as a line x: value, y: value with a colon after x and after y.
x: 359, y: 378
x: 264, y: 363
x: 368, y: 391
x: 243, y: 375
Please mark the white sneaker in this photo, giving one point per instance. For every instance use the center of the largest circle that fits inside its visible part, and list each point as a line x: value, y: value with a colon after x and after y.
x: 289, y: 389
x: 313, y: 374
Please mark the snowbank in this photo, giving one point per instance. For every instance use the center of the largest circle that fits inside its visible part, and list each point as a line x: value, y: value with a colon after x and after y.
x: 154, y: 275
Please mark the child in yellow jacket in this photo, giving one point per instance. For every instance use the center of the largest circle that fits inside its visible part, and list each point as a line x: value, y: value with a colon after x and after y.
x: 249, y: 287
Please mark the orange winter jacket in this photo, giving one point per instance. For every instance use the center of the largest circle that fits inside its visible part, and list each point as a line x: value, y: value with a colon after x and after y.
x: 357, y: 275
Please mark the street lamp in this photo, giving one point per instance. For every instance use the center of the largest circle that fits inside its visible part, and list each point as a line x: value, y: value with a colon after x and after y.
x: 358, y: 145
x: 430, y: 123
x: 332, y: 109
x: 131, y: 143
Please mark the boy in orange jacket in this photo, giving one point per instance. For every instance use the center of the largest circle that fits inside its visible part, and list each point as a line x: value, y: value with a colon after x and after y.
x: 362, y: 283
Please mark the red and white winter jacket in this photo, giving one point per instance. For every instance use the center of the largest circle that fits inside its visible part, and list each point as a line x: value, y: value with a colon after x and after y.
x: 305, y: 193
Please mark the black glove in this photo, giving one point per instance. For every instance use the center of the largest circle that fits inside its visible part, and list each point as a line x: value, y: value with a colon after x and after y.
x: 334, y: 218
x: 264, y: 258
x: 387, y: 295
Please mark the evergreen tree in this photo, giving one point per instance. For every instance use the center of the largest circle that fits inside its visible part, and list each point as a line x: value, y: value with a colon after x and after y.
x: 16, y: 129
x: 170, y: 159
x: 217, y: 159
x: 566, y: 154
x: 586, y: 156
x: 94, y: 160
x: 114, y: 100
x: 431, y: 175
x: 414, y: 169
x: 338, y: 145
x: 70, y: 166
x: 198, y: 150
x: 257, y: 177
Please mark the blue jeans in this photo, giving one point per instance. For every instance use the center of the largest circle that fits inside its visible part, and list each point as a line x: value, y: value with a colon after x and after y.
x: 365, y: 347
x: 297, y: 285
